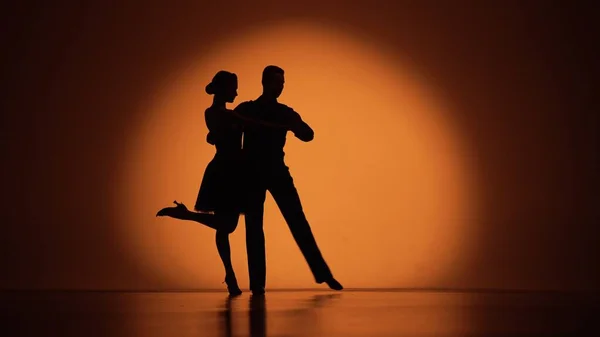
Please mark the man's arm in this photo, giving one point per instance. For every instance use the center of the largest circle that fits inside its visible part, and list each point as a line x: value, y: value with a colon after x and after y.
x: 300, y: 129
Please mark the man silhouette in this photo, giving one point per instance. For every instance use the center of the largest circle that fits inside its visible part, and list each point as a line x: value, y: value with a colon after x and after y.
x: 263, y: 147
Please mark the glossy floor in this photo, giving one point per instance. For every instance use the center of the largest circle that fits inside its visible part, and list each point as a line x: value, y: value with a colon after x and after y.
x: 298, y: 313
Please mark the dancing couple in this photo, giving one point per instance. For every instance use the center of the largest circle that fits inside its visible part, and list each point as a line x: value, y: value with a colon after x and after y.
x: 249, y: 161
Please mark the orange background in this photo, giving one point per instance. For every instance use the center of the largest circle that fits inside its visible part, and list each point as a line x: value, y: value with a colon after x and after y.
x: 455, y: 145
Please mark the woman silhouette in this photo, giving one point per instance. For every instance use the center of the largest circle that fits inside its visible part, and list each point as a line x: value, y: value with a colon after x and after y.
x: 221, y: 198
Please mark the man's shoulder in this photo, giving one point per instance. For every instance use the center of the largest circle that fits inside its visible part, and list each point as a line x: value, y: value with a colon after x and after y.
x: 245, y: 108
x: 283, y: 106
x: 289, y: 112
x: 245, y: 105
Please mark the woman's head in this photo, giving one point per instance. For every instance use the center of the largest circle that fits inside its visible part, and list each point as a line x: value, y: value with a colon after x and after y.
x: 224, y: 86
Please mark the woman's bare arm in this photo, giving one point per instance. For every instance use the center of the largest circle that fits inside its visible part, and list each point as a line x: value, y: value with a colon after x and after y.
x: 249, y: 120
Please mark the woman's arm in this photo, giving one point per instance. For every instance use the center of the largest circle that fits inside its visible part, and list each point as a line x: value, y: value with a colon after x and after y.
x: 253, y: 121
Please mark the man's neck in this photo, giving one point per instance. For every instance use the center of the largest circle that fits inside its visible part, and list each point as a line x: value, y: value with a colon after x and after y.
x: 267, y: 98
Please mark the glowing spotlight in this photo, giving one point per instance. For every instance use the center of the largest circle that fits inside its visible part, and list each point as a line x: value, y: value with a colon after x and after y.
x: 384, y: 184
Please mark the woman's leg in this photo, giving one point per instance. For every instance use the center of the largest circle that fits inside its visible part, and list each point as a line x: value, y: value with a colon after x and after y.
x: 224, y: 222
x: 181, y: 212
x: 228, y: 223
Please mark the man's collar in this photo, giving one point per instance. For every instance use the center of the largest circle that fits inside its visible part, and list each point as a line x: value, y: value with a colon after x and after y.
x: 266, y: 100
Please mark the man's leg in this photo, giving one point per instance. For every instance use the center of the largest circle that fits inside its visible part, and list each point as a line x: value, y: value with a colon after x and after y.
x: 281, y: 186
x: 255, y: 239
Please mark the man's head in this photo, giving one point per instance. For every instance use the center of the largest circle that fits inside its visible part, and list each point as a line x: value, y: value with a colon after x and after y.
x: 272, y: 81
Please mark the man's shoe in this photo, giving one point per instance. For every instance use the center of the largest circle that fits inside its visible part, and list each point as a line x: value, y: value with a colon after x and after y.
x: 258, y: 291
x: 333, y: 283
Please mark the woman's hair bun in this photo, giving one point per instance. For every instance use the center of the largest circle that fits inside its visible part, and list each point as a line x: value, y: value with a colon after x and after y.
x: 221, y: 82
x: 210, y: 89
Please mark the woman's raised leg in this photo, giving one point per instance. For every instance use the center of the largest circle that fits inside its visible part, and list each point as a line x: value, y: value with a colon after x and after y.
x: 180, y: 211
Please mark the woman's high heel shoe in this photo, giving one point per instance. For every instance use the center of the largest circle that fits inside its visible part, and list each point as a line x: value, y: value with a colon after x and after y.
x: 232, y: 286
x: 178, y: 212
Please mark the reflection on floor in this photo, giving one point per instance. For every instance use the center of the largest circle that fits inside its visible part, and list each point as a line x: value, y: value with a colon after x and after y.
x: 298, y: 313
